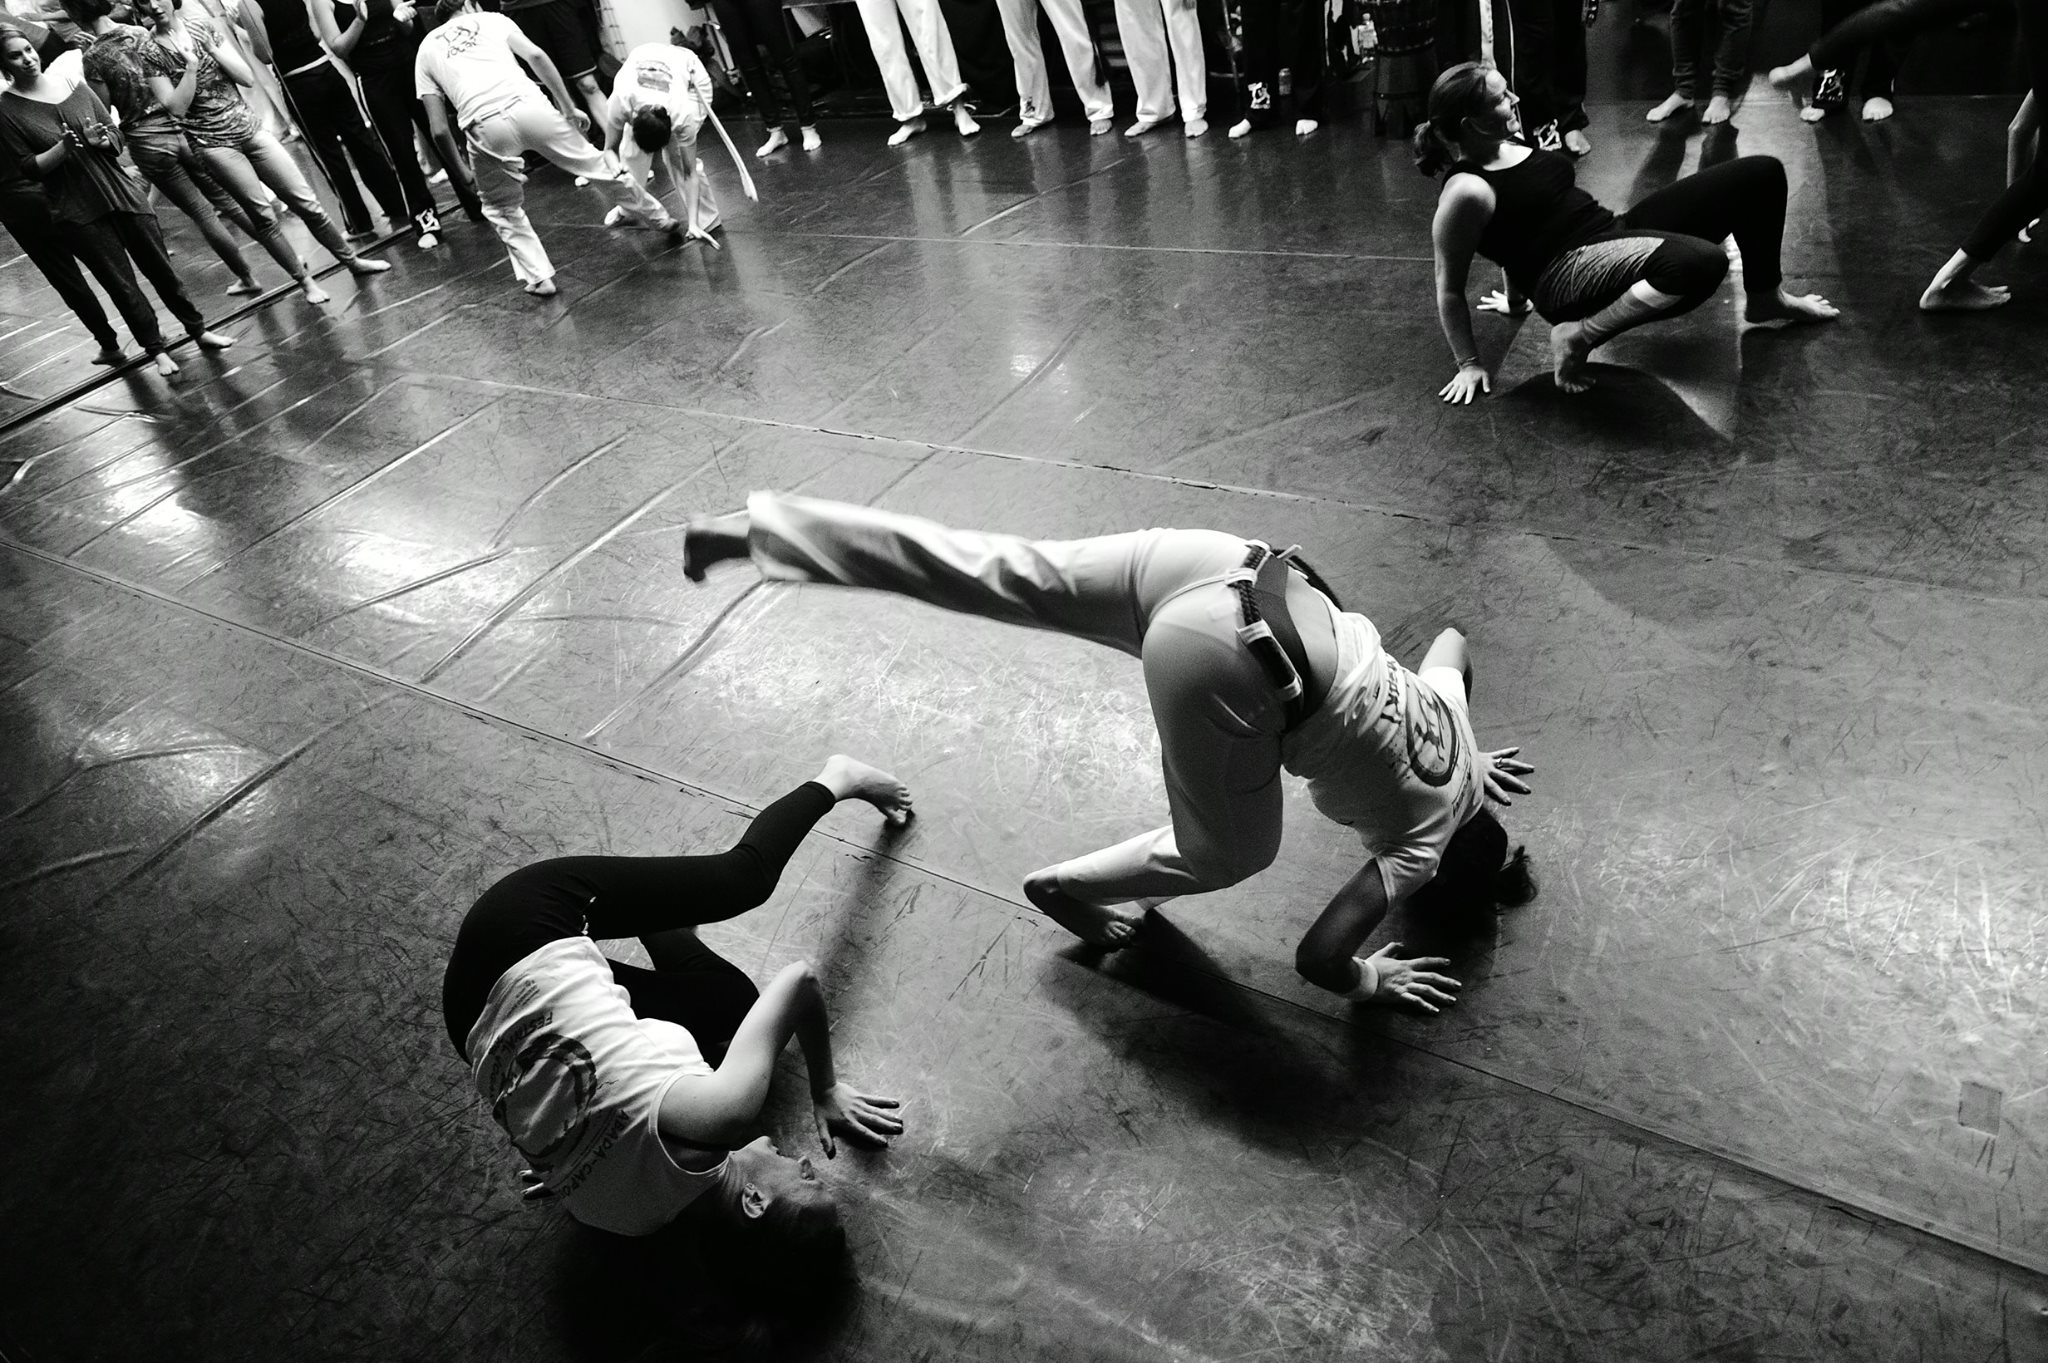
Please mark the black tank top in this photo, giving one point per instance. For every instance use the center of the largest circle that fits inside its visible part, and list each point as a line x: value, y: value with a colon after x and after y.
x: 293, y: 44
x: 1539, y: 213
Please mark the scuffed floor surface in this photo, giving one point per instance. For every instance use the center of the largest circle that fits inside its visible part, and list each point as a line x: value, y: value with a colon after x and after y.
x: 302, y: 651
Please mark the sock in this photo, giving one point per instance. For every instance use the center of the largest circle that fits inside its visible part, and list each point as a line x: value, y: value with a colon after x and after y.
x: 1639, y: 305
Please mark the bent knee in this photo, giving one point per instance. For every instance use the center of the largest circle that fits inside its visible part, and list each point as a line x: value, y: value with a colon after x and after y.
x: 1220, y: 867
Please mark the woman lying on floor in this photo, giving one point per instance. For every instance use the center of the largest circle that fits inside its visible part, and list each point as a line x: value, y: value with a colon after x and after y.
x: 1592, y: 274
x: 1250, y: 666
x: 635, y: 1093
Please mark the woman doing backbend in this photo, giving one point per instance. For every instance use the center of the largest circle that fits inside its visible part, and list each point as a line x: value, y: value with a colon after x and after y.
x: 634, y: 1094
x: 1250, y: 666
x: 1592, y: 274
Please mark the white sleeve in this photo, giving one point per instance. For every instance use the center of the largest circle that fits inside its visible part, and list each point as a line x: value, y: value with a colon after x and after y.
x: 423, y: 82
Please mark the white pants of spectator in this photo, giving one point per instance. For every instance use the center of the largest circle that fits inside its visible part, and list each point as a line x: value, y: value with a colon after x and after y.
x: 497, y: 144
x: 680, y: 156
x: 934, y: 48
x: 1034, y: 90
x: 1163, y: 44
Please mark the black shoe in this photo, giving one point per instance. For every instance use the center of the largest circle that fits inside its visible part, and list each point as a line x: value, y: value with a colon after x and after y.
x: 1547, y: 137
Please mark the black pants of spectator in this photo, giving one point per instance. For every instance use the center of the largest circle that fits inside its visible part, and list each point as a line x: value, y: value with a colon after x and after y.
x: 2025, y: 198
x: 395, y: 112
x: 1547, y: 63
x: 1284, y: 58
x: 326, y: 113
x: 1732, y: 19
x: 645, y: 897
x: 107, y: 246
x: 749, y: 26
x: 48, y: 245
x: 1880, y: 60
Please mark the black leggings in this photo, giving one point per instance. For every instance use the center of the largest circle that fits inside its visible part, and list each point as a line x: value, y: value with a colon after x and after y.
x: 750, y: 24
x: 1671, y: 241
x: 388, y: 92
x: 610, y: 897
x: 326, y: 113
x: 1282, y: 33
x: 2024, y: 199
x: 1546, y: 64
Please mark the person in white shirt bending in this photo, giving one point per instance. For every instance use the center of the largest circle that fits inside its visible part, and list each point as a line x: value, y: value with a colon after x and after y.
x: 660, y: 99
x: 1250, y: 666
x: 469, y: 68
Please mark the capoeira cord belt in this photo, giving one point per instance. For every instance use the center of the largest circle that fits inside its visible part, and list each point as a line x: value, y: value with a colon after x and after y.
x: 1268, y: 630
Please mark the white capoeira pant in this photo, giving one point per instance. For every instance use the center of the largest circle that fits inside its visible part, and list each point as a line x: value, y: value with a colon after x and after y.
x: 1163, y: 44
x: 934, y: 49
x: 680, y: 156
x: 497, y: 142
x: 1034, y: 89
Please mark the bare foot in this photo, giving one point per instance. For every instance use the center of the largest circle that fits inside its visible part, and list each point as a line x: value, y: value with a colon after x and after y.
x: 1794, y: 308
x: 851, y: 779
x: 1097, y: 925
x: 1568, y: 352
x: 1964, y: 295
x: 1673, y: 104
x: 244, y: 288
x: 906, y: 130
x: 1795, y: 80
x: 311, y: 291
x: 369, y: 265
x: 714, y: 539
x: 110, y: 355
x: 543, y: 288
x: 166, y: 367
x: 963, y: 121
x: 212, y: 340
x: 1577, y: 143
x: 1719, y: 110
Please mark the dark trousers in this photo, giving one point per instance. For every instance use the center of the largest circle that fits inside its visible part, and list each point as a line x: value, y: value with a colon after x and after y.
x: 395, y: 111
x: 1546, y: 60
x: 2026, y: 197
x: 107, y: 245
x: 48, y: 245
x: 613, y: 897
x: 1282, y: 35
x: 327, y: 114
x: 1880, y: 59
x: 750, y: 25
x: 1731, y: 45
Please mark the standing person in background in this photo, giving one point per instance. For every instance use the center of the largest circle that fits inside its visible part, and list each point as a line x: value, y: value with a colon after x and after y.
x: 113, y: 67
x: 198, y: 76
x: 56, y: 131
x: 748, y: 26
x: 1034, y: 91
x: 1874, y: 82
x: 556, y: 28
x: 283, y: 34
x: 1285, y: 50
x: 1163, y: 44
x: 1731, y: 59
x: 25, y: 213
x: 380, y: 46
x: 468, y: 76
x: 934, y: 49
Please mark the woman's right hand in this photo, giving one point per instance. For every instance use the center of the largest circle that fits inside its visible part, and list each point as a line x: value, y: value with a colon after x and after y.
x: 1471, y: 379
x: 1504, y: 303
x: 860, y: 1117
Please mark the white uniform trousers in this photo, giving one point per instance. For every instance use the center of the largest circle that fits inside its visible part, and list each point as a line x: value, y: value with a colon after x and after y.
x: 934, y: 49
x: 1163, y: 44
x: 498, y: 141
x: 1034, y: 91
x: 680, y: 156
x: 1164, y: 596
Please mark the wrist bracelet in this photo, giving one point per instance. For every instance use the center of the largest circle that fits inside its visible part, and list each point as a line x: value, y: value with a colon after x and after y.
x: 1368, y: 982
x: 1463, y: 363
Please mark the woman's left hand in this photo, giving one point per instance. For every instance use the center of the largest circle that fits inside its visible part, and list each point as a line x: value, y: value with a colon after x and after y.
x: 860, y: 1117
x: 1503, y: 772
x: 1499, y: 300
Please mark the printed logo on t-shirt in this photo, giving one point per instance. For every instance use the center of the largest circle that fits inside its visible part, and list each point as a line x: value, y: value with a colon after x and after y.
x: 657, y: 76
x: 542, y: 1097
x: 459, y: 37
x: 1432, y: 736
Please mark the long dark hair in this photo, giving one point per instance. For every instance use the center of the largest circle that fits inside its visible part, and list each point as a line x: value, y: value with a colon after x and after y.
x: 1458, y: 94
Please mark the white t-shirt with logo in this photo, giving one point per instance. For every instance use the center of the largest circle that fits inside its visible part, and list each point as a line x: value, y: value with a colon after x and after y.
x: 661, y: 75
x: 576, y: 1079
x: 1390, y: 755
x: 468, y: 61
